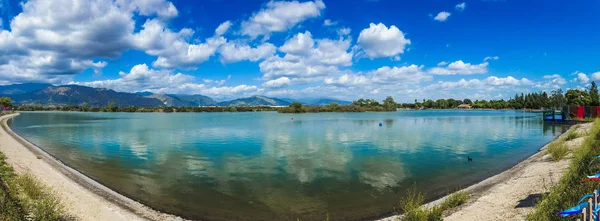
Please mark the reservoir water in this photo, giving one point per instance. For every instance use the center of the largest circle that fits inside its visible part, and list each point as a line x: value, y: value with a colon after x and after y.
x: 268, y: 166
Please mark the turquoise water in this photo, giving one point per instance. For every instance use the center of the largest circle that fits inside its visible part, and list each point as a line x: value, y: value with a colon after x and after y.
x: 266, y: 166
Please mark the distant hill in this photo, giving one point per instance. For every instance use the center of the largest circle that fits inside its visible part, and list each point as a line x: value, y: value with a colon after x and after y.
x: 326, y: 101
x: 22, y: 88
x: 198, y: 100
x: 256, y: 101
x: 77, y: 95
x: 47, y: 94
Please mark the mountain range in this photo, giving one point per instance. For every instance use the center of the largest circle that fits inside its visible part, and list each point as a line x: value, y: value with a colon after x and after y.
x: 47, y: 94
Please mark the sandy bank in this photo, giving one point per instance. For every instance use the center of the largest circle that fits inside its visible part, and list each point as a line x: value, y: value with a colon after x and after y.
x: 498, y: 197
x: 84, y: 198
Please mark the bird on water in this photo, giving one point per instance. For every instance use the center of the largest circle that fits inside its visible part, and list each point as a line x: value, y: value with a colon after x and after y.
x: 469, y: 158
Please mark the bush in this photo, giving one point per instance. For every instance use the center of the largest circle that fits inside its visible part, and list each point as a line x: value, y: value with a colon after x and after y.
x: 572, y: 134
x: 557, y: 150
x: 411, y: 206
x: 455, y: 200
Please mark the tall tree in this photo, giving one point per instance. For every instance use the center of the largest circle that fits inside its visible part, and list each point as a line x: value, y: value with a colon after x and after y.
x: 594, y: 94
x: 5, y: 102
x: 389, y: 104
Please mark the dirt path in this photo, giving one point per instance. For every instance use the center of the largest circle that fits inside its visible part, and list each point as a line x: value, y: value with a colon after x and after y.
x: 83, y: 198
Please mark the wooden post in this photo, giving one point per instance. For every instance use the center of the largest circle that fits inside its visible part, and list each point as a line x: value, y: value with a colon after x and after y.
x: 591, y: 210
x: 584, y: 214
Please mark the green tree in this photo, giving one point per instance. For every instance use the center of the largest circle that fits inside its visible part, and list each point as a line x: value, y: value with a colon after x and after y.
x: 557, y: 98
x: 85, y: 107
x: 594, y: 97
x: 111, y: 107
x: 296, y: 107
x: 5, y: 102
x: 389, y: 104
x: 578, y: 98
x: 467, y: 101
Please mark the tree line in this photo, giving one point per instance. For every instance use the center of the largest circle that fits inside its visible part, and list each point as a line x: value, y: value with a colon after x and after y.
x: 535, y: 100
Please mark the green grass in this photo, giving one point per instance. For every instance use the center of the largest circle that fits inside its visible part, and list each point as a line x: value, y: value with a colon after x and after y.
x: 572, y: 134
x: 570, y: 188
x: 25, y: 198
x: 413, y: 211
x: 557, y: 150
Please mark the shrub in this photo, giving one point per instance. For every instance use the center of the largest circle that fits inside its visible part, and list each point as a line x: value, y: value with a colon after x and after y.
x: 557, y: 150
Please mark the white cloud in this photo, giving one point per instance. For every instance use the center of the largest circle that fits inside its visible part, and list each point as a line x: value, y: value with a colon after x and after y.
x: 495, y: 58
x: 380, y: 41
x: 160, y: 8
x: 581, y: 78
x: 344, y: 31
x: 596, y: 76
x: 173, y: 48
x: 442, y: 63
x: 234, y: 51
x: 554, y: 82
x: 223, y: 27
x: 307, y: 59
x: 142, y: 78
x: 280, y: 16
x: 328, y: 22
x: 386, y: 75
x: 442, y: 16
x: 488, y: 83
x: 460, y: 67
x: 277, y: 83
x: 403, y: 75
x: 461, y: 6
x: 300, y: 44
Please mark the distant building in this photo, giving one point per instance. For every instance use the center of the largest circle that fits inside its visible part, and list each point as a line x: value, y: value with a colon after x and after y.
x: 464, y: 106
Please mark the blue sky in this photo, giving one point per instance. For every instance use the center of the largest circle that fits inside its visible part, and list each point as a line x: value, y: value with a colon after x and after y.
x: 341, y: 49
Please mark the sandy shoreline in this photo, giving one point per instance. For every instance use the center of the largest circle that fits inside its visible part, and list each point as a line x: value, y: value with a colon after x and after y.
x: 498, y: 197
x: 83, y: 197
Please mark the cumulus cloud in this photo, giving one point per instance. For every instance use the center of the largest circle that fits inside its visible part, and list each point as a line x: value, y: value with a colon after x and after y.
x: 280, y: 16
x: 160, y: 8
x: 173, y: 48
x: 461, y: 6
x: 386, y: 75
x: 52, y: 40
x: 442, y: 16
x: 552, y: 82
x: 581, y: 78
x: 235, y: 51
x: 459, y: 67
x: 277, y: 83
x: 596, y: 76
x: 380, y: 41
x: 486, y: 83
x: 307, y: 59
x: 143, y: 78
